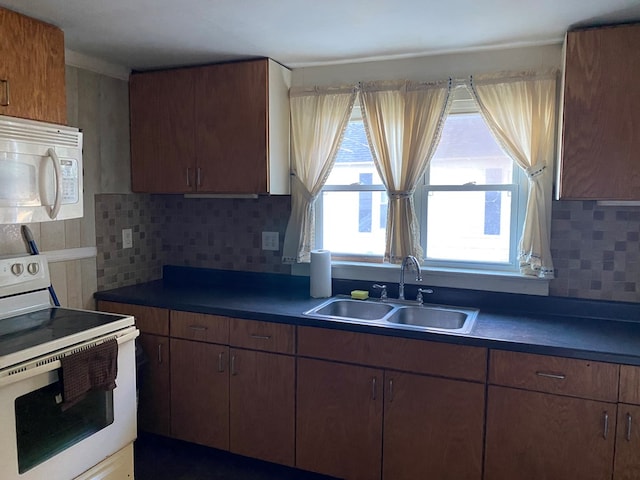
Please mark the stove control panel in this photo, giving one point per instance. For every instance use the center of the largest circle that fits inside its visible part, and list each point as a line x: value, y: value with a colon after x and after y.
x: 23, y: 274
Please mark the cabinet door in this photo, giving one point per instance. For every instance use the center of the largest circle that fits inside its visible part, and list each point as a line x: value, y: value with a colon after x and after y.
x: 601, y: 114
x: 533, y: 436
x: 262, y: 401
x: 339, y: 419
x: 154, y: 385
x: 162, y: 131
x: 433, y: 428
x: 32, y: 62
x: 627, y: 463
x: 231, y: 127
x: 200, y: 393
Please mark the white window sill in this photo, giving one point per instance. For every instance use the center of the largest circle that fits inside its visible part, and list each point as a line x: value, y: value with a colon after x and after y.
x: 505, y: 282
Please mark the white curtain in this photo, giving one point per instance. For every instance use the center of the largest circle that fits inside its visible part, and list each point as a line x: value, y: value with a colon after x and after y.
x: 521, y: 112
x: 403, y: 121
x: 318, y: 121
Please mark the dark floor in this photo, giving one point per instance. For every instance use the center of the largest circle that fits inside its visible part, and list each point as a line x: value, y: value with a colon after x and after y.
x: 160, y: 458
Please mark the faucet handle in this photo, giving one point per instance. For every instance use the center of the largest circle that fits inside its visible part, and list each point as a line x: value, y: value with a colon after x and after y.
x: 419, y: 297
x: 383, y: 290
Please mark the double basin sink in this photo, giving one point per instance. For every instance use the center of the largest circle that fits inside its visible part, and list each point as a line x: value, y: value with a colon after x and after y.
x: 428, y: 317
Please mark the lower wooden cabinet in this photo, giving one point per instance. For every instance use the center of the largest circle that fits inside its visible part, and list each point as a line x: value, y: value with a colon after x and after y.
x: 433, y: 428
x: 262, y: 405
x: 200, y: 393
x: 154, y: 377
x: 339, y: 419
x: 533, y: 436
x: 154, y: 385
x: 627, y: 461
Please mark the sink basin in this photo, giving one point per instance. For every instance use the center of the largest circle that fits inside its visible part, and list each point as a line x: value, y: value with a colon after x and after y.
x: 435, y: 317
x: 406, y: 315
x: 351, y: 309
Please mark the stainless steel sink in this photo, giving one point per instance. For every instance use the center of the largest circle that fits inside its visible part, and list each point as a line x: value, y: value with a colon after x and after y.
x: 351, y: 309
x: 435, y: 317
x: 397, y: 314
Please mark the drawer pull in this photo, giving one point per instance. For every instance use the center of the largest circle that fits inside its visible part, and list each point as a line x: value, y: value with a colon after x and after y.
x: 605, y: 427
x: 199, y: 328
x: 629, y: 421
x: 260, y: 337
x: 6, y: 93
x: 221, y: 362
x: 556, y: 376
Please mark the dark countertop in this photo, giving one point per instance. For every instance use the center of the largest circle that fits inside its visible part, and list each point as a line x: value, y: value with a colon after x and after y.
x: 585, y: 329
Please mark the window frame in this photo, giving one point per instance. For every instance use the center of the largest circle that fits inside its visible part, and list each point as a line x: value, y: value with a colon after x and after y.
x: 462, y: 103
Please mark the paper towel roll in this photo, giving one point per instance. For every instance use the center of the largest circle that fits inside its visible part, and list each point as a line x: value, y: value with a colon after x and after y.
x: 320, y: 276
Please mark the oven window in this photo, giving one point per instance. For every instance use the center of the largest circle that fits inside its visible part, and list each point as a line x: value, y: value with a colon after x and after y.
x: 44, y: 429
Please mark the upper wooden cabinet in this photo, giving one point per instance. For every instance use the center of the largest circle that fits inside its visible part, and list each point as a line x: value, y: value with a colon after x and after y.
x: 601, y: 113
x: 32, y: 71
x: 220, y: 128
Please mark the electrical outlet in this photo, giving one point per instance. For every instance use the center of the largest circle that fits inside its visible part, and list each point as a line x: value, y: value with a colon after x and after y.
x: 270, y: 241
x: 127, y: 238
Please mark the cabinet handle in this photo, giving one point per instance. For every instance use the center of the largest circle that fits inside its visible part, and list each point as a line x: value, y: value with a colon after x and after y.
x: 221, y: 362
x: 188, y: 177
x: 6, y: 93
x: 198, y: 177
x: 233, y: 365
x: 605, y: 427
x: 260, y: 337
x: 390, y: 390
x: 556, y: 376
x: 199, y: 328
x: 374, y: 390
x: 629, y: 421
x: 160, y: 354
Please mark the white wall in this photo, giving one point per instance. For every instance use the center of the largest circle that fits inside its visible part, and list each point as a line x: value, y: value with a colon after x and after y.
x: 432, y: 68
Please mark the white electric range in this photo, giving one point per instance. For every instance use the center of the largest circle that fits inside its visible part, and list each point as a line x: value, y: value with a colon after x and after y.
x: 91, y: 439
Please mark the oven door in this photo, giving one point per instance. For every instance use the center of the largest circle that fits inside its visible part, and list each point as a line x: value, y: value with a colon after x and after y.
x: 40, y: 440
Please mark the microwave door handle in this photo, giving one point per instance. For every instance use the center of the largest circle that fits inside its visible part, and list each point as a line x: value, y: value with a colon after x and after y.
x: 58, y: 201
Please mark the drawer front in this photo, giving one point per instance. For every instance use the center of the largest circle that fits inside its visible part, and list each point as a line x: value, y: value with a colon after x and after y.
x: 630, y: 384
x: 148, y: 319
x: 199, y: 326
x: 563, y: 376
x: 419, y: 356
x: 267, y: 336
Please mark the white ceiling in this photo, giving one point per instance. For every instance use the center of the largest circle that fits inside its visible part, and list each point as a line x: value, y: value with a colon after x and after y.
x: 144, y: 34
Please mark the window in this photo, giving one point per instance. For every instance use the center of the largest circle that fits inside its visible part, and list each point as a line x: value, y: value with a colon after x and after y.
x: 351, y: 212
x: 470, y: 205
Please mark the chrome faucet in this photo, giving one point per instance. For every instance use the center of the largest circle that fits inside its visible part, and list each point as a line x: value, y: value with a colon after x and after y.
x: 410, y: 259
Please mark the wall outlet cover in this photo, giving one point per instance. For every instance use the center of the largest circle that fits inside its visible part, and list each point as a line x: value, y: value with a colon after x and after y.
x: 270, y: 241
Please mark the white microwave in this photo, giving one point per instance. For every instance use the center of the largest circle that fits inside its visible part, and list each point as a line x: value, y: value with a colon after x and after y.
x: 40, y: 171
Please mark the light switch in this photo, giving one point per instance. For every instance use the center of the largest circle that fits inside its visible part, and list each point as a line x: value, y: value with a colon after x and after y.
x: 270, y: 241
x: 127, y: 238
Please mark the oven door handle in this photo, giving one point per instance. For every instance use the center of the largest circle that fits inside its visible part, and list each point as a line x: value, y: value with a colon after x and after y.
x: 43, y: 365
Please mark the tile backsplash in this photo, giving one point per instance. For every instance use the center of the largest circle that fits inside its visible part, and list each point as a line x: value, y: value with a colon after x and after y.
x: 596, y: 250
x: 221, y: 233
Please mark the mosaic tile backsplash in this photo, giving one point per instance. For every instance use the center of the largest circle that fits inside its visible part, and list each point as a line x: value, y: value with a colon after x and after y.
x: 596, y: 250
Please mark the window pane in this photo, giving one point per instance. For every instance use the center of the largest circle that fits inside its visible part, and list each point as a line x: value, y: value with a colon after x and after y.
x: 341, y: 226
x: 469, y: 226
x: 354, y: 158
x: 468, y: 154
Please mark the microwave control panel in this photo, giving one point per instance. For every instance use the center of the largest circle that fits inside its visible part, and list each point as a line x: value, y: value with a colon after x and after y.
x: 69, y: 169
